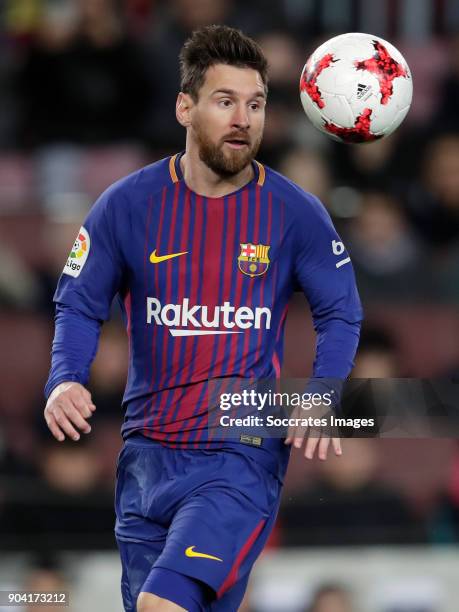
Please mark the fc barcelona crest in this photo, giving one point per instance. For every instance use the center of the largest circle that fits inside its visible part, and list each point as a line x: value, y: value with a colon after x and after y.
x: 253, y: 260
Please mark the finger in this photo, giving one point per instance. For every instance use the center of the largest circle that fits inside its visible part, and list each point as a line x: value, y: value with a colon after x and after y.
x: 82, y: 405
x: 290, y: 435
x: 299, y: 436
x: 74, y: 416
x: 296, y: 436
x: 337, y: 446
x: 323, y: 448
x: 311, y: 445
x: 291, y: 430
x: 88, y: 398
x: 298, y: 440
x: 76, y: 391
x: 54, y: 427
x: 65, y: 424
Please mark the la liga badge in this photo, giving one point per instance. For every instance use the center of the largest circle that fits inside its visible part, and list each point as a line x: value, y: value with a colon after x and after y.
x: 79, y: 254
x: 253, y: 259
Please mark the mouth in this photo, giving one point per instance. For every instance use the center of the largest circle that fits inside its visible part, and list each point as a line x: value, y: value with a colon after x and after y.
x: 236, y: 143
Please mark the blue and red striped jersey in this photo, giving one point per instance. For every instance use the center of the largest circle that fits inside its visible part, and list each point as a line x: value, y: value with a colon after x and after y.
x: 204, y: 285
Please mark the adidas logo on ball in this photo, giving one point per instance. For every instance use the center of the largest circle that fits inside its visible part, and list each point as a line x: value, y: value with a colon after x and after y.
x: 362, y: 90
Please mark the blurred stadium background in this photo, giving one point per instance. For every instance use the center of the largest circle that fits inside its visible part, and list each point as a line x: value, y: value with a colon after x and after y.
x: 87, y: 95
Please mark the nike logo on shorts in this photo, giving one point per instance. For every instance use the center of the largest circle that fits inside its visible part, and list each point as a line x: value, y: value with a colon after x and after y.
x: 190, y: 552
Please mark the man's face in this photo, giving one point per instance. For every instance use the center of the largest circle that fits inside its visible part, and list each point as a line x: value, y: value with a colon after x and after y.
x: 228, y: 118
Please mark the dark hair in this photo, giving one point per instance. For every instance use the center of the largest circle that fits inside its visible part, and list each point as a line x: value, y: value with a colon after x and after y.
x: 218, y: 44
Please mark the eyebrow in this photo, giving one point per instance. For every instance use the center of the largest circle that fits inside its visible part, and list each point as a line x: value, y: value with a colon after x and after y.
x: 232, y: 92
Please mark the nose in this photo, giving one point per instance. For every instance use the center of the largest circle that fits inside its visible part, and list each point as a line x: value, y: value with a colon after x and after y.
x: 241, y: 117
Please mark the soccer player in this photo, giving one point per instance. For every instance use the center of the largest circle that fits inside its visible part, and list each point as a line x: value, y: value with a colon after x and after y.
x: 203, y: 250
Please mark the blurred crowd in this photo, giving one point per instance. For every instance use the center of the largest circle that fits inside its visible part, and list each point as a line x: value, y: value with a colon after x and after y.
x: 87, y: 91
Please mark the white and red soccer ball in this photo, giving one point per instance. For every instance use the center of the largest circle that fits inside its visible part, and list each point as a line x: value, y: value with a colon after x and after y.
x: 356, y: 88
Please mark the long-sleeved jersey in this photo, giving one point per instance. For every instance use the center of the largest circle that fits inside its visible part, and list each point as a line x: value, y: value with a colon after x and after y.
x: 204, y: 285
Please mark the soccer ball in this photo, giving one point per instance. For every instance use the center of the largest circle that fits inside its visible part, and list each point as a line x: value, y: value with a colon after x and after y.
x: 356, y: 88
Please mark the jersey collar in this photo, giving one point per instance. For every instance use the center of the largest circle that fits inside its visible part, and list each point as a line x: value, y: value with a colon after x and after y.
x: 176, y: 174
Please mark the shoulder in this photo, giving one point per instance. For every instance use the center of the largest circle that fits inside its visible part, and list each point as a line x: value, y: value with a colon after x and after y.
x: 139, y: 184
x: 300, y: 204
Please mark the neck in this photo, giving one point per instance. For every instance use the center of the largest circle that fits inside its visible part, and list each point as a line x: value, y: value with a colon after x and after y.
x: 204, y: 181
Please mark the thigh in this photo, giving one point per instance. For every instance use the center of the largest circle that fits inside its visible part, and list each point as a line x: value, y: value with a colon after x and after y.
x: 140, y: 539
x: 137, y: 559
x: 141, y: 475
x: 232, y: 592
x: 220, y: 529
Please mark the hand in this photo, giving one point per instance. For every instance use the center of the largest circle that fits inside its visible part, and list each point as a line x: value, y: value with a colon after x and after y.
x: 317, y: 439
x: 68, y: 407
x: 322, y: 443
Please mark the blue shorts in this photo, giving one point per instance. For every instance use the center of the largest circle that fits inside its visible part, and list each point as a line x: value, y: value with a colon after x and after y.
x: 205, y: 514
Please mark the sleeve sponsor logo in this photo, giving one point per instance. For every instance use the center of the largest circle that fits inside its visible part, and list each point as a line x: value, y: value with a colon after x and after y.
x: 338, y: 249
x: 79, y: 254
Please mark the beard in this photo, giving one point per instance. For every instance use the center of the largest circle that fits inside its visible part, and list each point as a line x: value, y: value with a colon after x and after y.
x: 229, y: 162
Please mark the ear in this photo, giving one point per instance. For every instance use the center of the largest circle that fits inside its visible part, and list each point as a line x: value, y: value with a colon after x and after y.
x: 183, y: 107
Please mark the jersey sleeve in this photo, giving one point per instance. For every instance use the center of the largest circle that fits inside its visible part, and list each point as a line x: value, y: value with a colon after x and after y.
x: 75, y: 343
x: 94, y: 269
x: 324, y: 271
x: 323, y: 267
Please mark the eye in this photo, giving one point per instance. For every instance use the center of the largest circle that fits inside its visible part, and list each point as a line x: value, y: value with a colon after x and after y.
x: 226, y: 103
x: 254, y: 106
